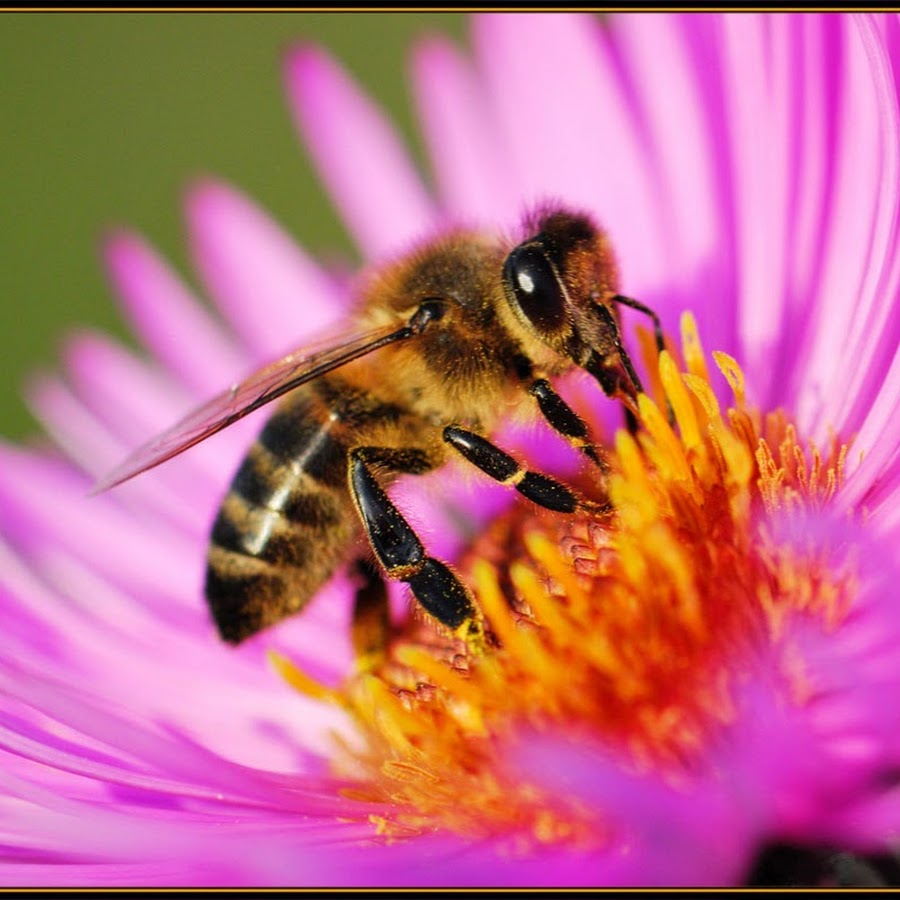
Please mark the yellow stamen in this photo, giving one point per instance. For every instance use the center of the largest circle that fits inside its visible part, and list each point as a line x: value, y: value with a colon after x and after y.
x: 517, y: 641
x: 300, y: 681
x: 681, y: 402
x: 732, y: 371
x: 694, y: 356
x: 633, y: 627
x: 664, y: 448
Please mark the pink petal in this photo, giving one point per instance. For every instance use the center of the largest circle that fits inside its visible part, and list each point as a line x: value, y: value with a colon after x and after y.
x: 173, y: 324
x: 275, y: 296
x: 95, y: 448
x: 658, y: 832
x: 571, y: 137
x: 812, y: 138
x: 860, y: 218
x: 874, y: 471
x: 46, y: 505
x: 108, y: 379
x: 368, y: 172
x: 757, y: 87
x: 664, y: 88
x: 874, y: 332
x: 111, y: 379
x: 465, y: 146
x: 668, y: 68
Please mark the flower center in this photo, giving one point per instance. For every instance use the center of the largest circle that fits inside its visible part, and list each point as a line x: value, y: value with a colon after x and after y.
x: 631, y: 628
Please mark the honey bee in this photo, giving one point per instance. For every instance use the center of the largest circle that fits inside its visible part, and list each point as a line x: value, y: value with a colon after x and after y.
x: 448, y: 338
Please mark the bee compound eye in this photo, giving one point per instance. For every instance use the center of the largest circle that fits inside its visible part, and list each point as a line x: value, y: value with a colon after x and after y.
x: 535, y: 287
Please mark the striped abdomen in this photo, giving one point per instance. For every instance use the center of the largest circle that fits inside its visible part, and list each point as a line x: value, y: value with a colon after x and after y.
x: 285, y: 523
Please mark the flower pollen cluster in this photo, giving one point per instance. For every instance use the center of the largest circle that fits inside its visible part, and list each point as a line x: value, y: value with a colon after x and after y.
x: 632, y: 628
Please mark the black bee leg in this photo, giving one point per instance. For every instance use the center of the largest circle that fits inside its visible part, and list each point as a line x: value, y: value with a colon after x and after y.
x: 641, y: 308
x: 610, y: 377
x: 657, y: 333
x: 621, y: 352
x: 371, y: 616
x: 563, y: 419
x: 401, y: 553
x: 540, y: 489
x: 631, y: 422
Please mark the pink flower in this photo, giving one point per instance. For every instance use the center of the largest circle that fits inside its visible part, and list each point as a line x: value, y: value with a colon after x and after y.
x: 731, y: 684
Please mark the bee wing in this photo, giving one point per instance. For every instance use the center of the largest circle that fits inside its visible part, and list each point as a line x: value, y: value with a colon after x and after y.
x: 240, y: 399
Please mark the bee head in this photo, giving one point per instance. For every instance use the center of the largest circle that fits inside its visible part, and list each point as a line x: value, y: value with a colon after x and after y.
x: 560, y: 282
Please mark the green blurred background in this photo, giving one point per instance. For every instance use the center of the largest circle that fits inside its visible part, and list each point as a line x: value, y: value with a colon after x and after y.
x: 106, y: 117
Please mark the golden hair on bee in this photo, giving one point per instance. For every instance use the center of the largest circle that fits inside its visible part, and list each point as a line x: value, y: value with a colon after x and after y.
x: 445, y: 341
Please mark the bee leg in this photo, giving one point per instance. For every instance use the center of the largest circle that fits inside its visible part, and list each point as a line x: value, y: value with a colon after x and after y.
x: 540, y: 489
x: 631, y: 303
x: 371, y: 617
x: 564, y: 420
x: 641, y: 308
x: 401, y: 553
x: 611, y: 378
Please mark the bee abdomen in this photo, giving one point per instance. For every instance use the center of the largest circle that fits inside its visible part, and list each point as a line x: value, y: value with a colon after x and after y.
x: 283, y: 527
